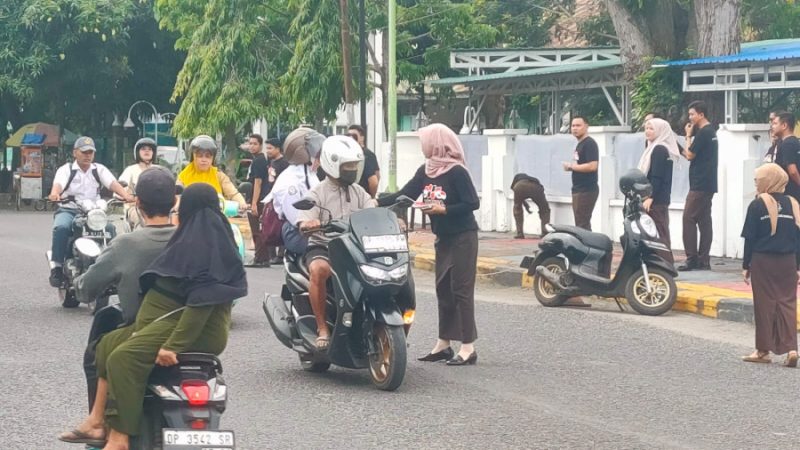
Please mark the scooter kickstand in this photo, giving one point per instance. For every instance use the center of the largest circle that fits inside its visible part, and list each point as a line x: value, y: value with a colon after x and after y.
x: 619, y: 305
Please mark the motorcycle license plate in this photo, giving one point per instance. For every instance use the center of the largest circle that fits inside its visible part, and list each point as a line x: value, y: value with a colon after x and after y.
x: 197, y: 440
x: 390, y: 243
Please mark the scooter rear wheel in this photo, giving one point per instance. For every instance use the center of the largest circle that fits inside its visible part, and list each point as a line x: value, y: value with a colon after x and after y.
x: 659, y: 300
x: 387, y: 366
x: 545, y: 292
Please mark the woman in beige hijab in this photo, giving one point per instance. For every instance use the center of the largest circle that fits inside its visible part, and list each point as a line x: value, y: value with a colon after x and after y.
x: 771, y: 235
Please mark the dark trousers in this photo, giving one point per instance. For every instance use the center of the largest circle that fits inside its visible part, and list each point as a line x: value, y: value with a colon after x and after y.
x: 456, y: 268
x: 697, y: 215
x: 90, y: 371
x: 524, y: 190
x: 254, y: 217
x: 582, y: 208
x: 660, y: 215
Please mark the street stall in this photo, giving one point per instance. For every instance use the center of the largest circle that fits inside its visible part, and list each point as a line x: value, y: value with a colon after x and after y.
x: 39, y: 147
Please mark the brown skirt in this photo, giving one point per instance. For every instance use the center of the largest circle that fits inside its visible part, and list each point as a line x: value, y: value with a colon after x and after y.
x: 774, y: 278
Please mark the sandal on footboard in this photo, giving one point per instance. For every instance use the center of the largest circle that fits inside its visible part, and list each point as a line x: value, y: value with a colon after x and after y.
x: 322, y: 342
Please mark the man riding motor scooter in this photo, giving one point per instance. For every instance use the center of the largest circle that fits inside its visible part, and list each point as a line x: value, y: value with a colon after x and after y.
x: 342, y: 159
x: 81, y: 179
x: 120, y: 265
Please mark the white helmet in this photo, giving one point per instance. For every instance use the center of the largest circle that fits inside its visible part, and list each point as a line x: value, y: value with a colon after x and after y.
x: 338, y: 150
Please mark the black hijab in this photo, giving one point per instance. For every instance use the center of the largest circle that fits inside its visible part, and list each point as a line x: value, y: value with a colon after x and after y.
x: 202, y: 253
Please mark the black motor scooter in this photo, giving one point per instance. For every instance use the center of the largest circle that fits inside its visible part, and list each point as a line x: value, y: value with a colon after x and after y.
x: 574, y: 262
x: 183, y: 404
x: 369, y: 300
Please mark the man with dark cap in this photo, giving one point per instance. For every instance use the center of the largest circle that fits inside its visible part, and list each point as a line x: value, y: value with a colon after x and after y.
x: 124, y: 260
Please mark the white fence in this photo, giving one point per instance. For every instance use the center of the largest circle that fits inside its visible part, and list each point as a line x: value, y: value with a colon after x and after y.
x: 497, y: 155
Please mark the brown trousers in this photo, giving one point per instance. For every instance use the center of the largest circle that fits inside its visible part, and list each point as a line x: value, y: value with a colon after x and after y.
x: 582, y: 208
x: 660, y: 215
x: 526, y: 189
x: 775, y: 301
x: 697, y: 215
x: 456, y: 268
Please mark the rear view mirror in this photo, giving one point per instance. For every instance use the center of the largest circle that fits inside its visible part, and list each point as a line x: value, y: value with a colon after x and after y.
x: 304, y: 204
x: 404, y: 201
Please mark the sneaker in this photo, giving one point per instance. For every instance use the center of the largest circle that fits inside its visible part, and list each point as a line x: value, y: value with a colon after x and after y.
x: 276, y: 261
x: 56, y: 277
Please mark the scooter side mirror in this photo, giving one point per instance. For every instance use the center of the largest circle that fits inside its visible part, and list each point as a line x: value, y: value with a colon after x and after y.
x: 404, y: 201
x: 304, y: 204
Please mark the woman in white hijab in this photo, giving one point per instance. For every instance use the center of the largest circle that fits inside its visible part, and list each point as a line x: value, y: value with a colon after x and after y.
x: 656, y: 162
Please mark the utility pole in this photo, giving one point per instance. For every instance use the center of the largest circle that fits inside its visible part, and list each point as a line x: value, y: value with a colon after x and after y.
x: 344, y: 21
x: 392, y: 108
x: 362, y: 56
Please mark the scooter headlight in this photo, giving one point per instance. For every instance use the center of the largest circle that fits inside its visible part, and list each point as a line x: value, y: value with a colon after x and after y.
x: 96, y: 220
x: 645, y: 225
x: 379, y: 275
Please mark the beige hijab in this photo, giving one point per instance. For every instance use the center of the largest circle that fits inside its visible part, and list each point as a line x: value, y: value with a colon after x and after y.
x: 771, y: 179
x: 663, y: 136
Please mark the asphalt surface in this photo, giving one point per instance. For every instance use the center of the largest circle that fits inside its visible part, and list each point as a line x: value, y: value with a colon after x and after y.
x: 545, y: 378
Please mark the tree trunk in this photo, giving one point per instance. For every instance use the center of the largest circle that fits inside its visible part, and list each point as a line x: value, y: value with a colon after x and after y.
x: 718, y: 33
x: 231, y: 151
x: 635, y: 47
x: 718, y: 26
x: 346, y: 63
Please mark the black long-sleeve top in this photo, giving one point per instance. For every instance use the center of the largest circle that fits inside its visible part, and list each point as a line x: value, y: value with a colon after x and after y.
x: 660, y: 175
x: 757, y: 231
x: 460, y: 200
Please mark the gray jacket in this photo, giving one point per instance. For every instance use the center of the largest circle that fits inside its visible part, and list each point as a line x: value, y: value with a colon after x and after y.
x: 121, y: 264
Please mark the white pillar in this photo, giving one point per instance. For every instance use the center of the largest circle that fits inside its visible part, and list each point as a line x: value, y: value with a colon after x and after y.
x: 498, y: 170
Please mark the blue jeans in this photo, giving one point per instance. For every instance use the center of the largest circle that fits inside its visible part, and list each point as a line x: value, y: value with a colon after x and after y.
x: 62, y: 231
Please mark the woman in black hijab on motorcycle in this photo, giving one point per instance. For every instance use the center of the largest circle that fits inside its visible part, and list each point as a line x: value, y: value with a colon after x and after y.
x: 188, y: 293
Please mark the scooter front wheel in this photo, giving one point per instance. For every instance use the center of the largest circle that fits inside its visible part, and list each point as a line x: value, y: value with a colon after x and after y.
x: 387, y: 365
x: 545, y: 292
x: 658, y: 299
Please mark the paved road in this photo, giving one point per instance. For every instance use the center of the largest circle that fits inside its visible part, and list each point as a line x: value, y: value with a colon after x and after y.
x: 546, y: 378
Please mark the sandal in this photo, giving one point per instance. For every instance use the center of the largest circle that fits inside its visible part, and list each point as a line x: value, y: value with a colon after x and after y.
x: 791, y: 360
x: 322, y: 342
x: 757, y: 357
x: 79, y: 437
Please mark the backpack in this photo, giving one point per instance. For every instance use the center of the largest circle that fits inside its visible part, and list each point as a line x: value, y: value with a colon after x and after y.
x: 74, y: 172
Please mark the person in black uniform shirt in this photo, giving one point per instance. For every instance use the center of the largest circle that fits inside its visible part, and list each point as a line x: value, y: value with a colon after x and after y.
x: 702, y: 151
x: 771, y: 235
x: 449, y: 198
x: 585, y: 189
x: 787, y: 154
x: 371, y: 175
x: 656, y: 162
x: 277, y: 164
x: 257, y: 176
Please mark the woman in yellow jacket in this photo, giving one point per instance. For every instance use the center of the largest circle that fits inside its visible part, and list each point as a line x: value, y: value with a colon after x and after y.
x: 203, y: 170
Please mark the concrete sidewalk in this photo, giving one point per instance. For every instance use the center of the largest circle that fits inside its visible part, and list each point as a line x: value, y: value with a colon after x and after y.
x: 719, y: 293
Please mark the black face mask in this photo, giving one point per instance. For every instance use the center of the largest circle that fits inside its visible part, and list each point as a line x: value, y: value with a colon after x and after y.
x: 347, y: 177
x: 320, y: 173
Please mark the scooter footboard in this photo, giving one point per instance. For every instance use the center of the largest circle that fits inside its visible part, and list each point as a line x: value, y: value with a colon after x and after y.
x: 278, y: 316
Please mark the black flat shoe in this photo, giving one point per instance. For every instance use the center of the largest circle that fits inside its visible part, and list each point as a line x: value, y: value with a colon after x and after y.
x: 445, y: 354
x: 459, y: 361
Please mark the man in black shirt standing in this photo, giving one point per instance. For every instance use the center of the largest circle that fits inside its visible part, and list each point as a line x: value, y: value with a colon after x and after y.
x: 584, y: 174
x: 277, y: 164
x: 372, y: 173
x: 702, y: 150
x: 258, y: 177
x: 787, y: 154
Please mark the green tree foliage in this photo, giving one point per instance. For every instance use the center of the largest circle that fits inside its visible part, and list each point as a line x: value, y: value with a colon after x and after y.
x: 771, y: 19
x: 77, y: 61
x: 232, y: 62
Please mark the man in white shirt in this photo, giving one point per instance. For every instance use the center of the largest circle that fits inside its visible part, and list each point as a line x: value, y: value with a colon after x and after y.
x: 81, y: 179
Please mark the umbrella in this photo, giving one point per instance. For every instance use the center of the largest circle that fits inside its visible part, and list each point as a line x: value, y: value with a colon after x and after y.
x: 50, y: 132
